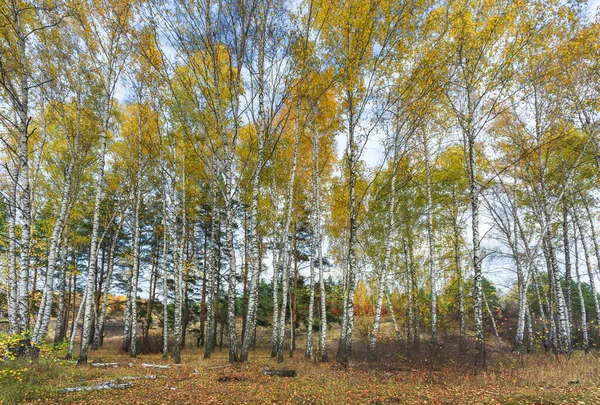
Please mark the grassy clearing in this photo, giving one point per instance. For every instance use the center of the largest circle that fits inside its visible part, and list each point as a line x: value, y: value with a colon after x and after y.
x: 396, y: 379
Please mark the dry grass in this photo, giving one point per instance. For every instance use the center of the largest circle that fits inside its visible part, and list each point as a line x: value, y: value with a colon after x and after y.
x: 401, y: 376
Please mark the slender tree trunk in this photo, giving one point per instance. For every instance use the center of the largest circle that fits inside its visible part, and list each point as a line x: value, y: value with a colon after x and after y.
x: 588, y: 263
x: 431, y: 248
x: 136, y: 246
x: 186, y: 298
x: 317, y: 207
x: 462, y: 323
x: 546, y: 323
x: 311, y: 302
x: 253, y: 240
x: 529, y: 327
x: 22, y: 107
x: 127, y: 316
x: 382, y: 280
x: 98, y: 337
x: 585, y: 338
x: 210, y: 281
x: 564, y: 335
x: 293, y: 299
x: 286, y: 257
x: 246, y: 268
x: 205, y: 271
x: 165, y: 274
x: 94, y: 245
x: 180, y: 265
x: 568, y: 277
x: 415, y: 284
x: 76, y: 323
x: 493, y: 320
x: 229, y: 236
x: 344, y: 305
x: 59, y: 330
x: 74, y: 292
x: 522, y: 280
x: 477, y: 277
x: 13, y: 290
x: 409, y: 295
x: 277, y: 251
x: 346, y: 351
x: 217, y: 318
x: 393, y: 315
x: 152, y: 293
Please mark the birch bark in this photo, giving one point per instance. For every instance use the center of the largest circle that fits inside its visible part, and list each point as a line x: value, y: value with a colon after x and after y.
x: 59, y: 330
x: 382, y: 280
x: 253, y: 239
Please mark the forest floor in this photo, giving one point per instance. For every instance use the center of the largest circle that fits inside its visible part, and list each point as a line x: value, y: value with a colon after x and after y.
x: 399, y: 377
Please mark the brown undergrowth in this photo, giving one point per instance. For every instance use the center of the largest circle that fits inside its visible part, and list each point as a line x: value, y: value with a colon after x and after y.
x: 400, y: 376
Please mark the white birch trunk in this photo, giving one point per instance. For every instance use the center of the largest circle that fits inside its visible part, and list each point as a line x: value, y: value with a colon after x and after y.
x: 393, y: 315
x: 136, y: 245
x: 585, y: 338
x: 22, y: 108
x: 346, y: 342
x: 59, y: 331
x: 180, y: 265
x: 382, y: 280
x: 104, y: 303
x: 210, y: 280
x: 430, y: 238
x: 566, y: 248
x: 76, y: 321
x: 477, y: 277
x: 253, y: 241
x: 127, y: 315
x: 13, y: 291
x: 287, y: 259
x: 409, y: 295
x: 277, y: 251
x: 588, y: 263
x: 233, y: 356
x: 317, y: 205
x: 43, y: 317
x: 94, y: 245
x: 462, y: 323
x: 493, y: 320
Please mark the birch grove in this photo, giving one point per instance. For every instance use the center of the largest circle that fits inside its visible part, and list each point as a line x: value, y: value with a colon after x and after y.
x: 299, y: 177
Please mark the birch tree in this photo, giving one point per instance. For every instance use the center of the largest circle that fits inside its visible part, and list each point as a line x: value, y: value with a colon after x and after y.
x: 109, y: 22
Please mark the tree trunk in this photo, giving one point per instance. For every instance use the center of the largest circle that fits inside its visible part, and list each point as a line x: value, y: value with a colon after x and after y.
x: 76, y: 322
x: 462, y: 323
x: 165, y: 273
x: 253, y: 240
x: 346, y: 350
x: 585, y: 338
x: 493, y: 320
x: 317, y: 207
x: 477, y: 277
x: 382, y: 280
x: 210, y: 281
x: 277, y: 251
x: 180, y: 265
x: 409, y: 296
x: 13, y: 290
x: 23, y: 183
x: 59, y: 330
x: 136, y: 245
x: 98, y: 337
x: 588, y: 263
x: 568, y: 277
x: 94, y: 244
